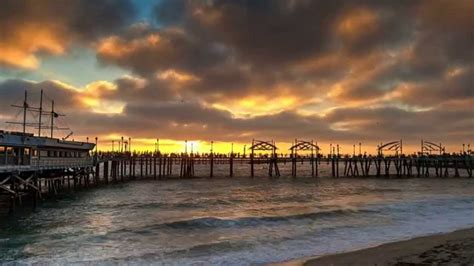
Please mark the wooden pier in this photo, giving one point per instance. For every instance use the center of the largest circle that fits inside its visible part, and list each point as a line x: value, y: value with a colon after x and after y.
x: 106, y: 168
x: 162, y: 166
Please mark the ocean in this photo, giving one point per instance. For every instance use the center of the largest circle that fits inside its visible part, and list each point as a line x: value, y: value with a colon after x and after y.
x: 233, y: 221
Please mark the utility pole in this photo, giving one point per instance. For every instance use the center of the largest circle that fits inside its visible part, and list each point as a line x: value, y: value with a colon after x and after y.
x: 317, y: 149
x: 401, y: 147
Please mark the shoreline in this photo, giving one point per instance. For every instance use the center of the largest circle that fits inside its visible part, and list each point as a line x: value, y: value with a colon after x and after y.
x: 456, y: 247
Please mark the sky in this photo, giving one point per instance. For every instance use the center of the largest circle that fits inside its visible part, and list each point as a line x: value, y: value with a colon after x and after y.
x: 230, y: 71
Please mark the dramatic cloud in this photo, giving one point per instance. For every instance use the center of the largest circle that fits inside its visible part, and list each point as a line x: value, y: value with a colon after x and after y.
x: 232, y: 70
x: 192, y: 120
x: 29, y: 28
x: 348, y: 50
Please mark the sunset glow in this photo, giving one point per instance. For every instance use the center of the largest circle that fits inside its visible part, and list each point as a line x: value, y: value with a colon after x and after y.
x: 237, y: 132
x: 233, y: 71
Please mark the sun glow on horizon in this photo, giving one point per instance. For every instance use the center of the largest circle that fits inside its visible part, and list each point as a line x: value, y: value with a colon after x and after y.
x: 112, y: 142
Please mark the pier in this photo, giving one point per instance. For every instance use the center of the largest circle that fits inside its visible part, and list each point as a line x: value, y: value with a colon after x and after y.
x: 102, y: 168
x: 163, y: 166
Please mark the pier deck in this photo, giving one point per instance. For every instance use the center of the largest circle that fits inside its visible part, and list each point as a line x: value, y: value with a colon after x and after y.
x: 36, y: 182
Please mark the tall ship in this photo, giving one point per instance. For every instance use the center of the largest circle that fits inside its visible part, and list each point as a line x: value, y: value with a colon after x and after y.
x: 21, y: 151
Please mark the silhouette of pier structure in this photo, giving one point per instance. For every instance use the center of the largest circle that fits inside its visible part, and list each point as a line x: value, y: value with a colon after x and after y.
x: 114, y: 167
x: 157, y: 165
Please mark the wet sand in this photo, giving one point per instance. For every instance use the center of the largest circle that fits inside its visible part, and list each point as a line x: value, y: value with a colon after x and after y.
x: 455, y: 248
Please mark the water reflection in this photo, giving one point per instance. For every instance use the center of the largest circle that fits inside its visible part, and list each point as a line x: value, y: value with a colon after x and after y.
x: 238, y: 220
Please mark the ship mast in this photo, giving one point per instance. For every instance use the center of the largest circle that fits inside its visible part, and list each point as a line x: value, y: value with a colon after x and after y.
x: 38, y: 124
x: 25, y: 108
x: 40, y: 114
x: 52, y: 118
x: 52, y: 125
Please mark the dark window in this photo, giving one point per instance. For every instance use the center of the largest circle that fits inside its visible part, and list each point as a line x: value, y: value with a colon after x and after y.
x: 3, y: 155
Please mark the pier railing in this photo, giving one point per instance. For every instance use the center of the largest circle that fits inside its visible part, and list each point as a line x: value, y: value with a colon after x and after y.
x: 50, y: 164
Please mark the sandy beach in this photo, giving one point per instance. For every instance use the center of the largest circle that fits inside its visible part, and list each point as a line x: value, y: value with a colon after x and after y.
x: 455, y: 248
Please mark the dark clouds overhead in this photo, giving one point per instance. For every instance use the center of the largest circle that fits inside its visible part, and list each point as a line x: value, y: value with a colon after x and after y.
x: 239, y: 69
x: 240, y: 46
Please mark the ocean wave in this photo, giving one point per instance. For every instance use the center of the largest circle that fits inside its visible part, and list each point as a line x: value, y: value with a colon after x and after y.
x: 214, y: 222
x: 201, y: 203
x: 127, y: 205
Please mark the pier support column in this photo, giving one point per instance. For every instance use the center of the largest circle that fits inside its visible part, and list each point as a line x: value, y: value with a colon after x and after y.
x: 106, y: 172
x: 211, y: 174
x: 13, y: 195
x: 231, y: 165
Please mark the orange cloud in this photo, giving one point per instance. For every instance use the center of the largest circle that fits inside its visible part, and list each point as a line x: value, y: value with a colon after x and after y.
x: 176, y: 76
x: 115, y: 47
x: 256, y: 105
x: 21, y: 48
x: 356, y: 24
x: 94, y: 96
x: 29, y: 29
